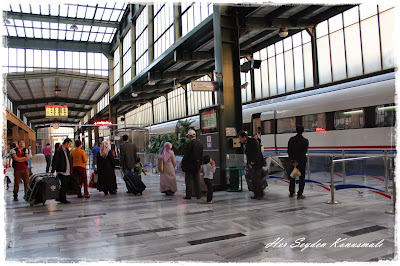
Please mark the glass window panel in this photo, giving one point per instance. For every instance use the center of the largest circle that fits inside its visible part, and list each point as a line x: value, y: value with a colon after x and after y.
x: 37, y: 58
x: 370, y: 45
x: 367, y: 10
x: 314, y: 122
x: 53, y: 59
x: 279, y: 47
x: 54, y: 34
x: 271, y: 51
x: 298, y: 67
x: 322, y: 29
x: 20, y: 23
x: 306, y: 37
x: 11, y: 31
x: 286, y: 125
x: 54, y: 9
x: 349, y: 119
x: 28, y: 23
x: 324, y: 60
x: 68, y: 59
x: 350, y: 16
x: 266, y: 127
x: 335, y: 23
x: 84, y: 36
x: 61, y: 59
x: 272, y: 76
x: 338, y: 56
x: 44, y: 10
x: 36, y: 24
x: 264, y: 78
x: 107, y: 14
x: 386, y: 21
x: 99, y: 13
x: 289, y: 72
x: 69, y: 36
x: 62, y: 34
x: 72, y: 10
x: 20, y: 32
x: 385, y: 6
x: 75, y: 60
x: 45, y: 58
x: 77, y: 35
x: 90, y: 12
x: 46, y: 34
x: 92, y: 37
x: 257, y: 83
x: 12, y: 57
x: 20, y: 57
x: 308, y: 66
x: 99, y: 37
x: 296, y: 39
x: 287, y: 43
x: 263, y: 54
x: 280, y: 68
x: 385, y: 115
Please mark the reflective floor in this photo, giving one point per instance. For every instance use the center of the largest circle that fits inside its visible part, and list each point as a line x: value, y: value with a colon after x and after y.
x: 155, y: 227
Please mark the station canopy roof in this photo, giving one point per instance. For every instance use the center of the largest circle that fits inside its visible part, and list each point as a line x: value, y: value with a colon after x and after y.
x: 39, y: 25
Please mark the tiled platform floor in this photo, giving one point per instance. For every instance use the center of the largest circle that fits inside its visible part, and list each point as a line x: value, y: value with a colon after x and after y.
x: 155, y: 227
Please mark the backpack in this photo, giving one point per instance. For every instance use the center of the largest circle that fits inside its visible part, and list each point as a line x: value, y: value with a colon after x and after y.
x: 14, y: 163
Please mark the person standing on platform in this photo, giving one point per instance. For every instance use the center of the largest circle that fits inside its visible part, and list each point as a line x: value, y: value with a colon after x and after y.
x: 128, y: 155
x: 297, y: 150
x: 95, y: 151
x: 259, y: 135
x: 254, y: 162
x: 107, y: 181
x: 10, y: 157
x: 191, y: 163
x: 79, y: 160
x: 30, y: 157
x: 62, y: 164
x: 209, y: 170
x: 20, y: 157
x: 167, y: 176
x: 47, y: 155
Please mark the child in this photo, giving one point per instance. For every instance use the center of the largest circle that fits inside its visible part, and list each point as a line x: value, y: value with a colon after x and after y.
x: 139, y: 167
x: 209, y: 170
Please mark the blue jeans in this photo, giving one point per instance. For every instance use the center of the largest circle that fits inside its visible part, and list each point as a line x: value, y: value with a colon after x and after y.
x: 30, y: 162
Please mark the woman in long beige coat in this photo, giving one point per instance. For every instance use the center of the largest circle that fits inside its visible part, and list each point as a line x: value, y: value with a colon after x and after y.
x: 167, y: 176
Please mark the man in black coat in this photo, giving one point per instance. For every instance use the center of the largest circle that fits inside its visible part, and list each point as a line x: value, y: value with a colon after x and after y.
x: 297, y: 149
x: 62, y: 164
x: 254, y: 161
x: 191, y: 164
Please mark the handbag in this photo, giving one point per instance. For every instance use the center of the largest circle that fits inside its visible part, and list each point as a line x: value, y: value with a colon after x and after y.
x: 295, y: 173
x: 160, y: 165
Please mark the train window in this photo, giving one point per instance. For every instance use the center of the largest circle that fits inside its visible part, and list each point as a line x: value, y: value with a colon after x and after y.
x: 287, y: 125
x: 315, y: 122
x: 385, y: 115
x: 267, y: 127
x: 349, y: 119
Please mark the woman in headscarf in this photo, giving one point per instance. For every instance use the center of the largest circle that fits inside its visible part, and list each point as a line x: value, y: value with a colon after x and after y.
x: 107, y: 181
x: 167, y: 176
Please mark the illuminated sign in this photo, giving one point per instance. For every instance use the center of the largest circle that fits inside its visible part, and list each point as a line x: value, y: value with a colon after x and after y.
x: 103, y: 123
x: 209, y: 119
x: 56, y: 111
x: 320, y: 129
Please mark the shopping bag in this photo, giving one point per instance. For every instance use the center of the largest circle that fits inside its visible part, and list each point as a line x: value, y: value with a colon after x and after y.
x: 295, y: 173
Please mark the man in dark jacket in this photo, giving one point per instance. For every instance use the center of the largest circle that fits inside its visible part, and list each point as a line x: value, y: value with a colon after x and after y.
x: 62, y: 164
x: 297, y: 149
x: 191, y: 163
x: 254, y: 161
x: 128, y: 155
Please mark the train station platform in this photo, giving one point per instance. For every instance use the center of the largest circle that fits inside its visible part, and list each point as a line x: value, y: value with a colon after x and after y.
x: 158, y: 228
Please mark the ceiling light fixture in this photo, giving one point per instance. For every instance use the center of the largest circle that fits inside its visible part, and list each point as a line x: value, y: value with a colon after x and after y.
x: 134, y: 94
x: 57, y: 91
x: 283, y: 33
x: 6, y: 21
x: 74, y: 27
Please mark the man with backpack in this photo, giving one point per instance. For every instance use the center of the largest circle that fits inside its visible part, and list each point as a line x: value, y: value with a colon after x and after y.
x: 20, y: 158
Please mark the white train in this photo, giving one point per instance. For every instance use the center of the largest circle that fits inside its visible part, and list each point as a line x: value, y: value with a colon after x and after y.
x: 356, y: 116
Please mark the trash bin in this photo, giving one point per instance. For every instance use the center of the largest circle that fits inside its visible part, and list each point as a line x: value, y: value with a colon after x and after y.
x: 233, y: 174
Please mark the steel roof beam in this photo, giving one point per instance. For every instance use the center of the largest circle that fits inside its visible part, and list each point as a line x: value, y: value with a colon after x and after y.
x: 153, y: 76
x: 60, y: 100
x: 263, y: 23
x: 37, y: 117
x: 56, y: 19
x: 41, y: 75
x: 58, y: 45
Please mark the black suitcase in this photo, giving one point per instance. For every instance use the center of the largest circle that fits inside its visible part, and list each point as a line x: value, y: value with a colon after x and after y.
x: 42, y: 187
x: 249, y: 179
x: 134, y: 183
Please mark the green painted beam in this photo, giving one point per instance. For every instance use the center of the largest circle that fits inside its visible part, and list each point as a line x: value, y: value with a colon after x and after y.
x: 58, y: 45
x: 56, y: 19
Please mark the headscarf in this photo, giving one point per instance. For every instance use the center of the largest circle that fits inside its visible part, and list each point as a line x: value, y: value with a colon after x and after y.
x: 104, y: 149
x: 166, y: 152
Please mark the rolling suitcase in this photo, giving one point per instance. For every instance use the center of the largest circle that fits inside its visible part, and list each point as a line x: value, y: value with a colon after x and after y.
x: 42, y: 187
x: 249, y: 179
x: 134, y: 183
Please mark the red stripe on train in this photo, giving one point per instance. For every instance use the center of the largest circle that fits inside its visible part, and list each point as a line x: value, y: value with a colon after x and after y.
x: 339, y: 147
